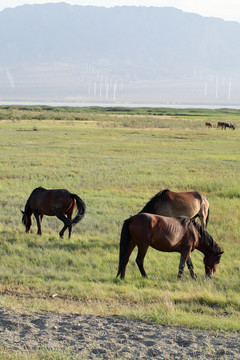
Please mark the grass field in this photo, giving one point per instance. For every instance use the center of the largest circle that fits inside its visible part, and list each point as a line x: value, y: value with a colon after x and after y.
x: 116, y: 159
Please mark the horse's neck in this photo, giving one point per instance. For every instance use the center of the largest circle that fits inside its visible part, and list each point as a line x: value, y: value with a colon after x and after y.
x: 28, y: 210
x: 201, y: 246
x: 205, y: 245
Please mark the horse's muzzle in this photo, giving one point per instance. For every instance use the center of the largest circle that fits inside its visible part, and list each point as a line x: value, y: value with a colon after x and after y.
x: 209, y: 275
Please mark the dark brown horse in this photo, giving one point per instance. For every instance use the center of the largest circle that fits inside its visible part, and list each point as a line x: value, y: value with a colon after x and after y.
x: 168, y: 234
x: 168, y: 203
x: 208, y: 125
x: 221, y: 125
x: 59, y: 202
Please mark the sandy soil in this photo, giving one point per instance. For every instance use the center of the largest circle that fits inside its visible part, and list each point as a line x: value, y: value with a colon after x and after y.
x: 94, y: 337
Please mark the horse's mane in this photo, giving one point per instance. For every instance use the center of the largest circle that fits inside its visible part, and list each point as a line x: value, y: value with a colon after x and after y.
x: 184, y: 220
x: 207, y: 240
x: 150, y: 206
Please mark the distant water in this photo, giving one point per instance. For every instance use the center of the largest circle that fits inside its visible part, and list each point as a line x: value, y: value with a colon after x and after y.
x: 75, y: 104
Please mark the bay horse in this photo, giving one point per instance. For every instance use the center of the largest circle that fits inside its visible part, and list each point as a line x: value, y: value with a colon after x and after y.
x: 208, y: 125
x: 59, y: 202
x: 168, y: 203
x: 168, y: 234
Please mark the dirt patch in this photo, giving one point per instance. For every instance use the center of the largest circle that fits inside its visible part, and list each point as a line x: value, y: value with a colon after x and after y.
x: 112, y: 337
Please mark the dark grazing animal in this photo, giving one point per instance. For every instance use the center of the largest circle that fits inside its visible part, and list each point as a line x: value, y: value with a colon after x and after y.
x: 220, y: 124
x: 225, y: 125
x: 168, y: 203
x: 208, y: 125
x: 167, y: 234
x: 229, y: 126
x: 59, y: 202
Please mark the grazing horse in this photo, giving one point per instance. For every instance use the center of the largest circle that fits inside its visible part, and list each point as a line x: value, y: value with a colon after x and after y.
x: 59, y: 202
x: 221, y: 124
x: 229, y: 126
x: 208, y: 125
x: 169, y: 203
x: 224, y: 125
x: 176, y: 234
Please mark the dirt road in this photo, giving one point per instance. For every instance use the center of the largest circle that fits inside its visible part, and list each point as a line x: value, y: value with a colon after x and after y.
x: 93, y: 337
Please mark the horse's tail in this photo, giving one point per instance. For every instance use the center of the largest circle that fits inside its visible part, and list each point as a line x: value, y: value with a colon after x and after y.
x: 124, y: 245
x: 81, y: 209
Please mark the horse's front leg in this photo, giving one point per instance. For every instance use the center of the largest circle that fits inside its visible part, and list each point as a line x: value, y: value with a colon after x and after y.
x: 183, y: 259
x: 38, y: 218
x: 190, y: 268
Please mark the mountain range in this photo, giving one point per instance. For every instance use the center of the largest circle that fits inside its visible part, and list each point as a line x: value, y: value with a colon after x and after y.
x: 71, y: 53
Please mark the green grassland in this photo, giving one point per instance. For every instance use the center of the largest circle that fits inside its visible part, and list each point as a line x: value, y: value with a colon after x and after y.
x: 116, y: 159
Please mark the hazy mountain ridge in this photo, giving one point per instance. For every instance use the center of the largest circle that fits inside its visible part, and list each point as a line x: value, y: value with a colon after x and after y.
x: 92, y: 45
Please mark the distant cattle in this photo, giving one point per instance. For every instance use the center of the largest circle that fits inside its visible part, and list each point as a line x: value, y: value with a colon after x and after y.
x: 208, y: 125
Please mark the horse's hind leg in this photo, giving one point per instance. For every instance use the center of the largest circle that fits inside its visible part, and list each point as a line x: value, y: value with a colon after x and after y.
x: 69, y: 215
x: 139, y: 260
x: 201, y: 217
x: 204, y: 213
x: 190, y: 268
x: 69, y: 231
x: 66, y: 222
x: 125, y: 261
x: 63, y: 231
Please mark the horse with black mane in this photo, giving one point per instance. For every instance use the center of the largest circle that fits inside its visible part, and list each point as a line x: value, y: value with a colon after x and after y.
x: 58, y: 202
x: 168, y: 234
x: 168, y: 203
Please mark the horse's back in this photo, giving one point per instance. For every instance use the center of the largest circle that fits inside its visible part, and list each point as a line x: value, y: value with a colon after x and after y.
x: 176, y: 204
x: 160, y: 232
x: 47, y: 201
x: 140, y: 223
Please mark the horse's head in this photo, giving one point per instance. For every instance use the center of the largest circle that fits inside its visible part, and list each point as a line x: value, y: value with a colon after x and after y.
x: 211, y: 261
x: 27, y: 221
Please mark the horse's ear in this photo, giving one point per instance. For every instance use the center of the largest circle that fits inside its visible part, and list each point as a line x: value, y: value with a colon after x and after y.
x: 221, y: 252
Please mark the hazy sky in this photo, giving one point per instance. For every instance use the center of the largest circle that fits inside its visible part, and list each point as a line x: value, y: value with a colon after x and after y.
x: 225, y: 9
